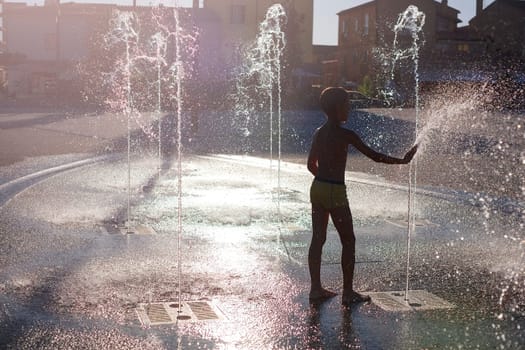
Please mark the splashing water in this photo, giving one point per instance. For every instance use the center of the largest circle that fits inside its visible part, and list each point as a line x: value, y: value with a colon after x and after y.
x: 124, y: 30
x: 412, y: 20
x: 179, y: 74
x: 260, y: 75
x: 153, y: 68
x: 159, y: 43
x: 488, y: 144
x: 444, y: 108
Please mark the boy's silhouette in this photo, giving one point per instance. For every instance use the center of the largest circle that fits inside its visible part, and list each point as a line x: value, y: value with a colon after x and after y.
x: 327, y: 162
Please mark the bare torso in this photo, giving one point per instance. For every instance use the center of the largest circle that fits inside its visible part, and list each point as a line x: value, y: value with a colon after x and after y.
x: 330, y: 149
x: 327, y: 157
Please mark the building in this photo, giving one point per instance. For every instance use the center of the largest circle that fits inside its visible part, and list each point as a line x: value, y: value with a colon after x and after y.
x: 231, y: 26
x: 45, y: 43
x: 493, y: 41
x: 501, y: 27
x: 240, y: 20
x: 367, y: 31
x: 1, y: 25
x: 3, y: 74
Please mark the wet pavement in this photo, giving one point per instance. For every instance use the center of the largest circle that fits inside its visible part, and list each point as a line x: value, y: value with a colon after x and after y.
x: 70, y: 279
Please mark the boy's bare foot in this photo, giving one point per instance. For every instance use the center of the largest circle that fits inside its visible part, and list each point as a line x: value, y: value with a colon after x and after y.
x: 321, y: 294
x: 354, y: 297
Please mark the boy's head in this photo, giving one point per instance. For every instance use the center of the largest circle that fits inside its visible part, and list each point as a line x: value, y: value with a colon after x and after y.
x: 334, y: 103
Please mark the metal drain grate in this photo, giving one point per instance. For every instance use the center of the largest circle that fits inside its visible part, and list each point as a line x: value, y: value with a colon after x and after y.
x: 169, y: 312
x: 417, y: 300
x: 203, y: 311
x: 157, y: 314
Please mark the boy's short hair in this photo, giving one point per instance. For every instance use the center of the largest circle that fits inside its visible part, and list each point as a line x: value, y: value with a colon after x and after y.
x: 331, y: 98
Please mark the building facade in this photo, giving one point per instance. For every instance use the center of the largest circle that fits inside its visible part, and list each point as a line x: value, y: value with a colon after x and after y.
x: 46, y: 42
x: 1, y: 25
x: 501, y: 27
x: 3, y: 73
x: 240, y: 21
x: 43, y: 43
x: 367, y: 31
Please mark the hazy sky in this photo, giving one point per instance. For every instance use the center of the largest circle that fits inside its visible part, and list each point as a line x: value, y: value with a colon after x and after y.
x: 325, y: 13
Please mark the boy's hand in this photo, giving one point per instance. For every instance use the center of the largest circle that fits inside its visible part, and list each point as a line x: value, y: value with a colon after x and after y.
x: 410, y: 154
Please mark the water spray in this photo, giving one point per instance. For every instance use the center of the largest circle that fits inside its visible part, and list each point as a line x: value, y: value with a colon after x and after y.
x: 411, y: 20
x: 146, y: 53
x: 179, y: 72
x: 160, y: 48
x: 269, y: 53
x: 124, y: 31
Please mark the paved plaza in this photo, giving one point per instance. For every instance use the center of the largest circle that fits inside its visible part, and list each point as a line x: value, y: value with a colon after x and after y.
x: 72, y: 278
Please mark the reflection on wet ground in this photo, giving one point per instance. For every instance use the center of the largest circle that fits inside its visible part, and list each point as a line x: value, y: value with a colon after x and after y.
x: 67, y: 279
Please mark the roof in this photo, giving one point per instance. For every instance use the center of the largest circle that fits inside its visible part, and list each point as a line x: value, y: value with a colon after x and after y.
x: 517, y: 4
x: 445, y: 9
x: 366, y: 4
x: 514, y: 3
x: 520, y: 4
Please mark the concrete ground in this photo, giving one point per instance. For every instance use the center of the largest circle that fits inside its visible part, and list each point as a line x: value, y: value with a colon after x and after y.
x: 70, y: 279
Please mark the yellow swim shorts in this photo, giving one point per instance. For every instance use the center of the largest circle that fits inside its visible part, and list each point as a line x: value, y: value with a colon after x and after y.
x: 328, y: 194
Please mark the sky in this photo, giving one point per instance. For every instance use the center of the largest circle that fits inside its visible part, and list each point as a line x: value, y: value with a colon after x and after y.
x: 325, y: 14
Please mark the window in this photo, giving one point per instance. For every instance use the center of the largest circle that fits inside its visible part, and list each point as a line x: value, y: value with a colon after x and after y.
x: 345, y: 28
x: 356, y: 25
x: 463, y: 48
x: 238, y: 14
x: 367, y: 19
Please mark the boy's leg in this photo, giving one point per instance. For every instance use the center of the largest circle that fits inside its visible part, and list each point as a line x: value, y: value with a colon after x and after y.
x: 342, y: 218
x: 319, y: 224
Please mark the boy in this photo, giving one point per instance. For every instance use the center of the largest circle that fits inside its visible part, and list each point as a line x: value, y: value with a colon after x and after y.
x: 327, y: 162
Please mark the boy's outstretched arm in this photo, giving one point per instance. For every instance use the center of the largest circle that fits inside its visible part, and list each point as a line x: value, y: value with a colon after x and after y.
x: 410, y: 154
x: 356, y: 141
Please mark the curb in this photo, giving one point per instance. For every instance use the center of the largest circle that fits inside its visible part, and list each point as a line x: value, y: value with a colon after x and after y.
x: 10, y: 189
